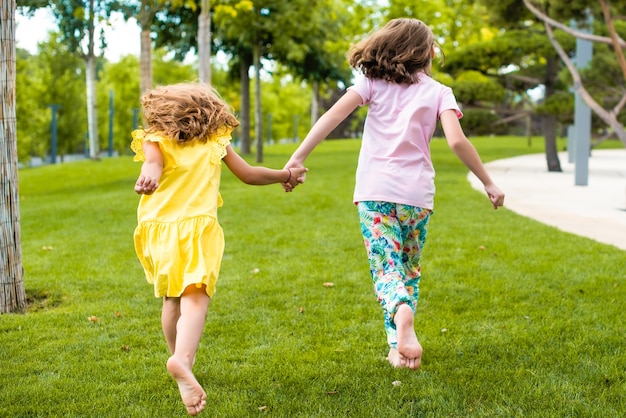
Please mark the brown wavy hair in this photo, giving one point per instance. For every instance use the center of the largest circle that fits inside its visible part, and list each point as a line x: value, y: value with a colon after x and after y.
x: 186, y: 111
x: 395, y: 53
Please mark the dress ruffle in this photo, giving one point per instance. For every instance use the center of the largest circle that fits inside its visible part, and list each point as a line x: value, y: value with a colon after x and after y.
x: 179, y: 254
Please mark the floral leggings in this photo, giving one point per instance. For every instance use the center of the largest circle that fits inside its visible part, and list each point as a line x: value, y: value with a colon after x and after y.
x: 394, y: 235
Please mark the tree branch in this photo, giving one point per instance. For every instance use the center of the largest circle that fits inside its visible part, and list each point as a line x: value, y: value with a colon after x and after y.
x: 618, y: 107
x: 614, y: 36
x: 529, y: 80
x: 578, y: 84
x: 578, y: 34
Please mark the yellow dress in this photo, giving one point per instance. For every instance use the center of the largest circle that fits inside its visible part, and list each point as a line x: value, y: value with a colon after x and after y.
x: 178, y: 239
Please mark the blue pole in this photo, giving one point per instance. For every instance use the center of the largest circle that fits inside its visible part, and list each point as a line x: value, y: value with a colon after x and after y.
x: 53, y: 133
x: 111, y: 123
x: 582, y: 117
x: 135, y: 118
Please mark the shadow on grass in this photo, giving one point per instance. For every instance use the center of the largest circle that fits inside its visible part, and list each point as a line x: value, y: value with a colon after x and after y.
x: 39, y: 300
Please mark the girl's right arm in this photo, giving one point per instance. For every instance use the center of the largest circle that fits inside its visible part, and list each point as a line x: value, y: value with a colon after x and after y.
x: 324, y: 126
x: 151, y: 169
x: 259, y: 175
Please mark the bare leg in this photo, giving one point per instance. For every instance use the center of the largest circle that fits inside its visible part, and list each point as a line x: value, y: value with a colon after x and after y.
x: 169, y: 319
x: 408, y: 346
x: 194, y: 304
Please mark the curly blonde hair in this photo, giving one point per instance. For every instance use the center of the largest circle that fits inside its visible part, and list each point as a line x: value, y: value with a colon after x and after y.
x: 395, y: 53
x: 186, y: 111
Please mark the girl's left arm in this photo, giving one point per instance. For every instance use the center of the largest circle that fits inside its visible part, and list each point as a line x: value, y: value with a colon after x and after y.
x: 466, y: 152
x: 259, y: 175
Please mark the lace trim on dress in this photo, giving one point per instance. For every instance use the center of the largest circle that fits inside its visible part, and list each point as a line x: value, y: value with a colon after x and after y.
x: 139, y: 136
x: 137, y: 144
x: 220, y: 141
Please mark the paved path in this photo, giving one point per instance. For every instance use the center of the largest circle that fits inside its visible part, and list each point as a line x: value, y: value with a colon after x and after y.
x: 596, y: 211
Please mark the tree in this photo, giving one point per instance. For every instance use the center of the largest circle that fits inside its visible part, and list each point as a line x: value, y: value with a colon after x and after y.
x: 59, y: 72
x: 519, y: 56
x: 145, y: 18
x: 78, y: 21
x: 265, y: 29
x: 580, y: 11
x: 12, y: 293
x: 323, y: 60
x: 204, y: 42
x: 33, y: 119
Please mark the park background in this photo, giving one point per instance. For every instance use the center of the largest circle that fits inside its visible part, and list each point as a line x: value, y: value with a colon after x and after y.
x: 517, y: 318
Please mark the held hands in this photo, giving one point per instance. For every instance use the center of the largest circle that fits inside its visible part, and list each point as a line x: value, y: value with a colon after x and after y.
x: 146, y: 185
x: 495, y: 195
x: 297, y: 175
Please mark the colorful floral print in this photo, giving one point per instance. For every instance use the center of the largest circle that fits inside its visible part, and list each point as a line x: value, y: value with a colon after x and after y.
x: 394, y: 236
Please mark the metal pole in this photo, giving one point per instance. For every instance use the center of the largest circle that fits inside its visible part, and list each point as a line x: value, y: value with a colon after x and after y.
x: 53, y: 133
x: 135, y: 118
x: 582, y: 116
x: 111, y: 114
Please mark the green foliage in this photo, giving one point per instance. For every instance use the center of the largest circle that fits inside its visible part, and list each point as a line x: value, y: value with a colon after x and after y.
x: 33, y: 117
x: 455, y: 23
x: 523, y: 327
x: 74, y: 18
x: 288, y: 104
x: 472, y: 87
x: 56, y: 77
x: 481, y: 122
x: 120, y: 79
x: 53, y: 76
x: 560, y: 104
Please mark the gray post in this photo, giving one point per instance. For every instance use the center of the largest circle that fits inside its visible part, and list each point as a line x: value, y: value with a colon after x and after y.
x: 53, y: 133
x: 269, y: 129
x: 571, y: 143
x: 582, y: 118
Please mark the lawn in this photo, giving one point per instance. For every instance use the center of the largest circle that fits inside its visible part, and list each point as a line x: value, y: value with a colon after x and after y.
x: 517, y: 319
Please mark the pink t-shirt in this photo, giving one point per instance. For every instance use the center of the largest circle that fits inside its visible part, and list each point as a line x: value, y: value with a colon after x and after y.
x: 394, y: 162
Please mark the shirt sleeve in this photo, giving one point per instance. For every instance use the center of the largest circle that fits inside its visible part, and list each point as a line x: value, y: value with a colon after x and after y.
x: 363, y: 87
x: 138, y: 137
x: 448, y: 102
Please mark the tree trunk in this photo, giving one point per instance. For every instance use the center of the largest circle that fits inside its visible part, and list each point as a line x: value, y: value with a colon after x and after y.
x: 245, y: 104
x: 90, y: 73
x: 258, y: 115
x: 315, y: 102
x: 12, y: 293
x: 92, y: 113
x: 145, y: 66
x: 204, y: 42
x: 549, y: 122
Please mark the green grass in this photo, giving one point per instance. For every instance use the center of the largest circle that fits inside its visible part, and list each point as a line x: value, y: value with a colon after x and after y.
x: 517, y: 319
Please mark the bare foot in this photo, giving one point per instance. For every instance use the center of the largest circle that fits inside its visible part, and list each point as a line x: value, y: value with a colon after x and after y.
x: 395, y: 359
x: 408, y: 347
x: 194, y: 397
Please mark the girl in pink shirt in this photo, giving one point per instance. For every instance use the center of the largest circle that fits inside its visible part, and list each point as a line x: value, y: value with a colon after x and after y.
x: 395, y: 185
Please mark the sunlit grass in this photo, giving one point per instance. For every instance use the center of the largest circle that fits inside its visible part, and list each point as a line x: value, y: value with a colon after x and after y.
x: 517, y: 319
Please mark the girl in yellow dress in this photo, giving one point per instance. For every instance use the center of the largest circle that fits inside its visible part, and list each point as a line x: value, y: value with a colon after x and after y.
x: 178, y: 239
